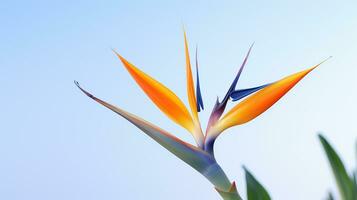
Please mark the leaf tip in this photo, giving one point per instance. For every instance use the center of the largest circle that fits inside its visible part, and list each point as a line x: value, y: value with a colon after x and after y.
x: 83, y: 90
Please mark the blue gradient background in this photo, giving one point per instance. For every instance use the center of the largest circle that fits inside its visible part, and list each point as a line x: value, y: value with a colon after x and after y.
x: 57, y: 144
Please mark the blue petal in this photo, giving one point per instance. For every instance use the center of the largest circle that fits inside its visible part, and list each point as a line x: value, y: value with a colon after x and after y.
x: 239, y: 94
x: 198, y: 89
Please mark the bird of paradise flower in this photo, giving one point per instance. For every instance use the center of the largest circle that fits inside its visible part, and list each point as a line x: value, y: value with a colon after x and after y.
x: 201, y: 157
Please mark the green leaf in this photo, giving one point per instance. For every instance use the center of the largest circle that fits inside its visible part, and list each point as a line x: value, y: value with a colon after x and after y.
x: 355, y: 181
x: 255, y: 191
x: 355, y: 174
x: 344, y: 182
x: 195, y: 157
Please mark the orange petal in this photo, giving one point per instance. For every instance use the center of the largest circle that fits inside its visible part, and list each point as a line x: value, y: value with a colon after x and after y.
x: 259, y: 102
x: 163, y: 97
x: 190, y: 85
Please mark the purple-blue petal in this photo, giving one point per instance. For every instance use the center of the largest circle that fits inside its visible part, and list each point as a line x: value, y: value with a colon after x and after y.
x: 198, y: 89
x: 239, y: 94
x: 235, y: 81
x: 220, y: 106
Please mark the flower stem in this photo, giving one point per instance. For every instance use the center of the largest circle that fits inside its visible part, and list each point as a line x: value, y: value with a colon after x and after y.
x: 219, y: 179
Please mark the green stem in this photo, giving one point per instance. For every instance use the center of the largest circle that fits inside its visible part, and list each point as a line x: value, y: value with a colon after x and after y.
x: 215, y: 174
x: 219, y: 179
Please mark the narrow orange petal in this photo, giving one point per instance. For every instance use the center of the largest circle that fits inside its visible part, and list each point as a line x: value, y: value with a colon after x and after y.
x: 259, y: 102
x: 190, y: 85
x: 163, y: 97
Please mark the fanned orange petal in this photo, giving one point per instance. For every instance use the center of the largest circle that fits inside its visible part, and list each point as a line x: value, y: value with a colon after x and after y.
x: 163, y: 97
x: 259, y: 102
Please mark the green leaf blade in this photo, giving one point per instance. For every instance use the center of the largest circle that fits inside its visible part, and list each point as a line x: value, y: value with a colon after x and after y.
x: 190, y: 154
x: 343, y: 180
x: 255, y: 190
